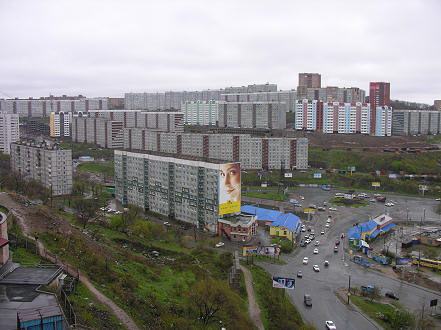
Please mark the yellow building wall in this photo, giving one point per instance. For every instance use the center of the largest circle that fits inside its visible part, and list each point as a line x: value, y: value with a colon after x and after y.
x: 280, y: 231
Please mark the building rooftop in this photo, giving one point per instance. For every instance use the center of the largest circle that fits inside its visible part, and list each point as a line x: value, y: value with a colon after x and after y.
x: 41, y: 145
x: 177, y: 156
x: 382, y: 219
x: 262, y: 214
x: 287, y: 220
x: 432, y: 234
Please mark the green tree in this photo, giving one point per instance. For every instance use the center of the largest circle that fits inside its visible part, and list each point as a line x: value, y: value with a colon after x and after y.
x: 211, y: 301
x: 86, y: 209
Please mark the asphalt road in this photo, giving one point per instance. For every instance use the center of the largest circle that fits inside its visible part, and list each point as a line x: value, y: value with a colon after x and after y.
x: 321, y: 285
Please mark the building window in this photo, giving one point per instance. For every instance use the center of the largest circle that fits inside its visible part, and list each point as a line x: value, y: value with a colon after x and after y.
x: 284, y: 232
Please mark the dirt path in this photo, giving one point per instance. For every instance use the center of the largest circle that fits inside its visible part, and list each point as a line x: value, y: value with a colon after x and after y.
x: 253, y: 307
x: 22, y: 213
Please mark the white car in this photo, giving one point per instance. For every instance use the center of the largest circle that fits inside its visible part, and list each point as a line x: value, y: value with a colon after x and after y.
x: 316, y: 268
x: 166, y: 223
x: 315, y: 251
x: 303, y: 229
x: 322, y: 232
x: 332, y: 209
x: 328, y: 220
x: 302, y: 198
x: 389, y: 204
x: 327, y: 225
x: 317, y: 243
x: 438, y: 199
x: 330, y: 325
x: 220, y: 244
x: 308, y: 241
x: 305, y: 260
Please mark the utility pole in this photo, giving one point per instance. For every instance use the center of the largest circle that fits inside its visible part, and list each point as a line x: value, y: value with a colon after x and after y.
x: 349, y: 288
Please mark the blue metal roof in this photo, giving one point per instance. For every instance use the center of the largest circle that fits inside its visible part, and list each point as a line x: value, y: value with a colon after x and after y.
x: 368, y: 226
x: 374, y: 234
x: 287, y: 220
x: 355, y: 232
x: 387, y: 227
x: 262, y: 214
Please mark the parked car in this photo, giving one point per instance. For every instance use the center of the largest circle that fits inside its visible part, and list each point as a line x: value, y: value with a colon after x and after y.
x: 315, y: 251
x: 392, y: 295
x: 330, y: 325
x: 328, y: 220
x: 299, y: 274
x: 305, y: 260
x: 220, y: 244
x: 166, y: 223
x: 335, y: 248
x: 322, y: 232
x: 326, y: 263
x: 307, y: 300
x: 327, y: 225
x: 321, y: 208
x: 303, y: 244
x: 332, y: 209
x: 317, y: 243
x: 316, y: 268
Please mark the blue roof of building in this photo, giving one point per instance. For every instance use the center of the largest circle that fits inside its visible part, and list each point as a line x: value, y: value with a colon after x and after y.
x: 368, y: 226
x: 374, y: 233
x: 355, y: 232
x: 387, y: 227
x: 287, y: 220
x: 262, y: 214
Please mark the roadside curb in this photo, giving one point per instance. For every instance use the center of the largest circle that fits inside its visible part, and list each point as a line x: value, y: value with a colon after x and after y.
x: 354, y: 308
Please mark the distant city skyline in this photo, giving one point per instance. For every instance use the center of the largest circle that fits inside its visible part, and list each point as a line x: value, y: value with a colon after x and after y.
x: 108, y: 48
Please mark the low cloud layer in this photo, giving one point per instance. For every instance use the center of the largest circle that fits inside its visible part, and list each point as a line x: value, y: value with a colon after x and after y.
x: 107, y: 48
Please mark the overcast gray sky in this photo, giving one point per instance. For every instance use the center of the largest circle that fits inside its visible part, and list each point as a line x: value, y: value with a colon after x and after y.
x: 107, y: 48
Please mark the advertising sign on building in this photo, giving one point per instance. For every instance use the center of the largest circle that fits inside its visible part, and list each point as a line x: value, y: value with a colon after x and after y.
x: 317, y: 175
x: 284, y: 283
x: 248, y: 250
x: 351, y: 168
x: 423, y: 187
x: 288, y: 175
x: 308, y: 210
x: 270, y: 250
x: 375, y: 184
x: 404, y: 261
x: 229, y: 188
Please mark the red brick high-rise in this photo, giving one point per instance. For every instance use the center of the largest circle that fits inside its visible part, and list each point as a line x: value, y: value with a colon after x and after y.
x: 308, y: 80
x: 379, y: 95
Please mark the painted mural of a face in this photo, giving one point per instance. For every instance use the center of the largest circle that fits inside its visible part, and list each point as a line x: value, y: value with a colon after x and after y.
x: 229, y: 183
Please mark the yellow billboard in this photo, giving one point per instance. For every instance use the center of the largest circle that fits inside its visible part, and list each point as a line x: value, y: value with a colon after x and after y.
x: 375, y: 184
x: 229, y: 188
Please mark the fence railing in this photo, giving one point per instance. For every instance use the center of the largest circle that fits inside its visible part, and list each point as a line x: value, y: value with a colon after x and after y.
x: 67, y: 307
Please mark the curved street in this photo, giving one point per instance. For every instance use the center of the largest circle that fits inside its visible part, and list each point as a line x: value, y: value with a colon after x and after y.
x: 322, y: 285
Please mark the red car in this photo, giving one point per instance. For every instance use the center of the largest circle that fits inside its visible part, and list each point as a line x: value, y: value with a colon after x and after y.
x: 337, y: 242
